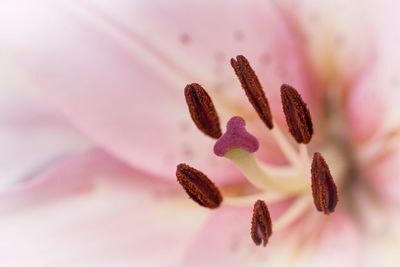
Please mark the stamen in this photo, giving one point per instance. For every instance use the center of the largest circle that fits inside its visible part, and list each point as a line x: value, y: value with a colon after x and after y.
x: 253, y: 89
x: 261, y: 226
x: 197, y: 185
x: 304, y: 153
x: 235, y: 136
x: 324, y: 189
x: 297, y: 115
x: 304, y: 159
x: 285, y: 146
x: 299, y: 206
x: 202, y: 110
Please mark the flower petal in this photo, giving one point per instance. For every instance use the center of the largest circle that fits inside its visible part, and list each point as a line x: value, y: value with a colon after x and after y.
x: 375, y: 106
x: 226, y: 241
x: 32, y: 133
x: 118, y: 69
x: 330, y: 241
x: 92, y: 210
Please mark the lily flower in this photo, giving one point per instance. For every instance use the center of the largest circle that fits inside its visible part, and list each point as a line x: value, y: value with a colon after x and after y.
x: 96, y: 119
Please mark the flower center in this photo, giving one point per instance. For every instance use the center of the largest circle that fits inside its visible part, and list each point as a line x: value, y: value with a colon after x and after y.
x: 337, y: 147
x: 273, y: 183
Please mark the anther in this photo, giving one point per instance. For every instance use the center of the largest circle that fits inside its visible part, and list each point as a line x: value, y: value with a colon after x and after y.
x: 261, y: 226
x: 324, y: 189
x: 202, y: 110
x: 235, y: 136
x: 253, y: 89
x: 297, y: 115
x: 197, y: 185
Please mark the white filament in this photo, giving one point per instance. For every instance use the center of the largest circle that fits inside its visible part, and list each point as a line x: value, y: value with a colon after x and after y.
x: 293, y: 212
x: 287, y: 149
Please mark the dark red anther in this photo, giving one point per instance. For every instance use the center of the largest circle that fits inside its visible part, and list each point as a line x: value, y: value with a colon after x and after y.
x: 253, y: 89
x: 324, y: 189
x: 297, y: 115
x: 202, y: 110
x: 261, y: 226
x: 197, y: 185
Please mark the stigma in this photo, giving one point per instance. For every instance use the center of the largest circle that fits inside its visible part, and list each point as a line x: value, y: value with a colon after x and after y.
x: 307, y: 181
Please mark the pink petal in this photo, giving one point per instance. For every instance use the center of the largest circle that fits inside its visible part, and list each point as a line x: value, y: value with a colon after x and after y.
x: 32, y: 133
x: 92, y: 210
x: 334, y: 241
x: 354, y: 52
x: 366, y: 105
x: 382, y: 236
x: 118, y: 68
x: 338, y: 35
x: 374, y: 106
x: 226, y: 241
x: 382, y: 176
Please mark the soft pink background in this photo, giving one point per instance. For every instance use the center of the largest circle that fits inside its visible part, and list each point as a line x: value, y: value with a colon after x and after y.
x: 93, y: 123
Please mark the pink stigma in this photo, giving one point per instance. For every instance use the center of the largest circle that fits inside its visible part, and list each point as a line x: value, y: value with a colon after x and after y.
x: 235, y: 136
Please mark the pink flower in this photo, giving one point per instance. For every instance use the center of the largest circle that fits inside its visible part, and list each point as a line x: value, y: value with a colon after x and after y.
x: 94, y: 123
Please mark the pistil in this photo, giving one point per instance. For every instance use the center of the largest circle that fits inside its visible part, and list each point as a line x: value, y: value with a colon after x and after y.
x: 250, y: 168
x: 239, y: 146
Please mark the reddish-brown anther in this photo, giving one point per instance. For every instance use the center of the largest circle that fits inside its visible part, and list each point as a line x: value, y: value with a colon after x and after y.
x: 323, y: 187
x: 197, y: 185
x: 261, y: 226
x: 253, y: 89
x: 202, y: 110
x: 297, y: 115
